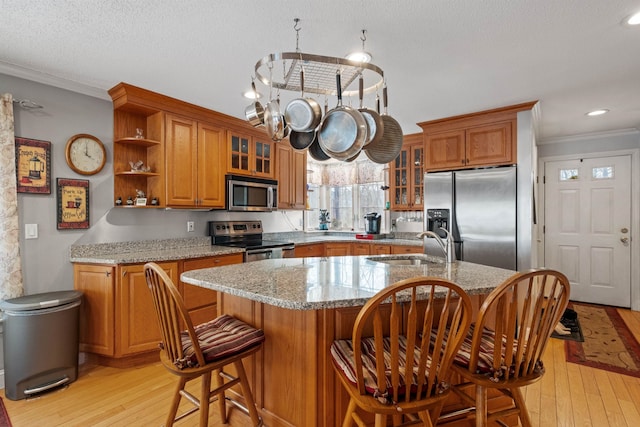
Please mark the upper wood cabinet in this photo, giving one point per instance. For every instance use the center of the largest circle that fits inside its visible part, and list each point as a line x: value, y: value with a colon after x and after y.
x: 407, y: 175
x: 486, y: 138
x: 185, y: 146
x: 291, y: 173
x: 194, y: 152
x: 250, y: 155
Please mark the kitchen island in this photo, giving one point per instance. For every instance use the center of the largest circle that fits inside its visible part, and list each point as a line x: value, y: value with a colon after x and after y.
x: 303, y: 305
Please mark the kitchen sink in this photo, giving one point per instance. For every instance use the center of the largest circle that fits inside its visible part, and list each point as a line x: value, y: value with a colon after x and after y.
x: 414, y: 259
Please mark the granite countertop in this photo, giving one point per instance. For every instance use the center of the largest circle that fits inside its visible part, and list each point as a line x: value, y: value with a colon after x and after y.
x: 196, y: 247
x: 319, y: 283
x: 147, y: 251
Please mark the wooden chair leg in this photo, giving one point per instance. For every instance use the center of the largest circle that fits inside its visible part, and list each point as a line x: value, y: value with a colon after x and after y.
x: 248, y: 395
x: 381, y: 420
x: 175, y: 402
x: 205, y: 392
x: 518, y: 400
x: 348, y: 418
x: 222, y: 404
x: 481, y: 406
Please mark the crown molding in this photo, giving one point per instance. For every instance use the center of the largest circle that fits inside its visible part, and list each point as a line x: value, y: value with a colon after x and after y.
x: 51, y: 80
x: 589, y: 136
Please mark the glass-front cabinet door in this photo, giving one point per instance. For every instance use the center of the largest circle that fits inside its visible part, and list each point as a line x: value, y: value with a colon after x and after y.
x: 406, y: 186
x: 250, y: 155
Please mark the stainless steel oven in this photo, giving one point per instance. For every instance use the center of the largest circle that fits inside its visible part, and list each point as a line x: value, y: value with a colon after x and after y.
x: 248, y: 235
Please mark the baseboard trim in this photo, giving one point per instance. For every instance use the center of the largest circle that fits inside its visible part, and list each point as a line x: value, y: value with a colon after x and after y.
x: 2, y: 379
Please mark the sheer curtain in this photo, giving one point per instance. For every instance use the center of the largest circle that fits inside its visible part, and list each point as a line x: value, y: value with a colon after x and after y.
x: 10, y: 267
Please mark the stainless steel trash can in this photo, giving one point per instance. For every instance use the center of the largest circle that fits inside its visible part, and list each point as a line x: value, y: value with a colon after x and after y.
x: 40, y: 342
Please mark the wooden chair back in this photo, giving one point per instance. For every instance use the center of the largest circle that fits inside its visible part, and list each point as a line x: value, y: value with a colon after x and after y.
x: 524, y: 311
x: 413, y: 309
x: 172, y: 314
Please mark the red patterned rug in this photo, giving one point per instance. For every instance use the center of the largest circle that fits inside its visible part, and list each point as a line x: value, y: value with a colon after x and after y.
x: 4, y: 417
x: 608, y: 342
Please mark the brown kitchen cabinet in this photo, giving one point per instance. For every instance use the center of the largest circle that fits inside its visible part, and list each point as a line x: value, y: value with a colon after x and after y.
x: 291, y: 173
x: 361, y: 248
x: 406, y: 249
x: 311, y: 250
x: 407, y: 175
x: 136, y: 327
x: 191, y: 148
x: 118, y: 320
x: 337, y: 249
x: 202, y: 302
x: 250, y: 155
x: 185, y: 146
x: 486, y: 138
x: 128, y: 116
x: 97, y: 313
x: 379, y: 249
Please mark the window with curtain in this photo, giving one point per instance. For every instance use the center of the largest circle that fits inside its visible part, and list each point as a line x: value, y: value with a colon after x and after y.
x: 348, y: 191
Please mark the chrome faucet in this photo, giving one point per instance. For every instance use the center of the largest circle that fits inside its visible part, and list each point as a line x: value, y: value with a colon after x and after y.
x: 447, y: 247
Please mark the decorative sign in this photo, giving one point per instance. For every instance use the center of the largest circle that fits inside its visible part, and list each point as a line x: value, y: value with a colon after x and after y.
x: 33, y: 166
x: 73, y: 203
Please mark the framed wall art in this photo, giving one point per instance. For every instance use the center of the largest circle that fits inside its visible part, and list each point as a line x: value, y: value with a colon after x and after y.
x: 33, y: 166
x: 73, y: 203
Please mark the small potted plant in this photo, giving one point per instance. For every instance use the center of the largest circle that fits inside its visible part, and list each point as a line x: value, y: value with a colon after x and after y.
x: 324, y: 219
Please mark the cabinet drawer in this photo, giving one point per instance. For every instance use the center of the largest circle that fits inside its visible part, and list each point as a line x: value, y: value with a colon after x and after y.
x: 309, y: 250
x: 404, y: 249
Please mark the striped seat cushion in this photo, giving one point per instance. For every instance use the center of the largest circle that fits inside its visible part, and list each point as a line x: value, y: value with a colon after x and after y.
x: 485, y: 355
x: 219, y: 338
x: 342, y: 355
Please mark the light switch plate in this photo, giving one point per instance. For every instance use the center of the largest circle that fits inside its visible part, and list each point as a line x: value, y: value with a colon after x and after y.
x: 31, y: 231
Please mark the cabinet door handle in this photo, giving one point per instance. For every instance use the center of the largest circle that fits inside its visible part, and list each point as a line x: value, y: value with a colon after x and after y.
x: 124, y: 273
x: 107, y: 273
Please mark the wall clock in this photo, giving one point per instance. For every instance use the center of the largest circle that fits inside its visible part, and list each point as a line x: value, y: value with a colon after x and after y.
x: 85, y: 154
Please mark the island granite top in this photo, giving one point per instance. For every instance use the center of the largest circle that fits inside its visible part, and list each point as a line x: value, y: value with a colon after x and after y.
x: 333, y: 282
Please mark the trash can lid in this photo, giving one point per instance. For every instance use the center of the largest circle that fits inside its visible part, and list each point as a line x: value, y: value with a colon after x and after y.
x: 38, y: 301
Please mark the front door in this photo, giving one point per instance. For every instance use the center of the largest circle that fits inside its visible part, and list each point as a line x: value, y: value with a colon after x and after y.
x: 587, y: 227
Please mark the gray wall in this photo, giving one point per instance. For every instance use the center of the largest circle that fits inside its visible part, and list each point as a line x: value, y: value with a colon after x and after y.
x: 45, y: 260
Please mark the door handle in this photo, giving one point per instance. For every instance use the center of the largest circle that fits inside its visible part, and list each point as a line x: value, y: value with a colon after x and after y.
x: 624, y: 240
x: 624, y: 230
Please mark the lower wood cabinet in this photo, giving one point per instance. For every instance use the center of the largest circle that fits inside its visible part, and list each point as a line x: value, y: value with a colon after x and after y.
x: 117, y: 315
x: 406, y: 249
x: 337, y: 249
x: 361, y: 248
x: 312, y: 250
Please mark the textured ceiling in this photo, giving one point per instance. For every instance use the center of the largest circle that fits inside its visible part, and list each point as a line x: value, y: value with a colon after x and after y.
x: 440, y: 58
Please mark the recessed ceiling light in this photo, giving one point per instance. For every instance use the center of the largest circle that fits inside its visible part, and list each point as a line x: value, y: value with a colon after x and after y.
x: 597, y: 112
x: 633, y: 19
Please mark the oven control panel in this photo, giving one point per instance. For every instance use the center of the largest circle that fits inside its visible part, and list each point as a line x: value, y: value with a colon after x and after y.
x: 234, y: 228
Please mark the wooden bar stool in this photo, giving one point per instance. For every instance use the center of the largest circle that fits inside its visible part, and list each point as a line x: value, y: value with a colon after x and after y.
x: 504, y: 346
x: 198, y: 351
x: 389, y: 367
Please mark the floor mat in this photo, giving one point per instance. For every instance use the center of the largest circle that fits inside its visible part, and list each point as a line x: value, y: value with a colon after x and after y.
x: 4, y: 416
x: 608, y: 342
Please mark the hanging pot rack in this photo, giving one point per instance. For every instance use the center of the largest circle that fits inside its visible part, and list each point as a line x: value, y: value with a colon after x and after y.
x: 319, y: 73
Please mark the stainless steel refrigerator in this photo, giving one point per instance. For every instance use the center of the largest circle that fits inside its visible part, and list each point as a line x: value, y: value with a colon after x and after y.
x: 479, y: 207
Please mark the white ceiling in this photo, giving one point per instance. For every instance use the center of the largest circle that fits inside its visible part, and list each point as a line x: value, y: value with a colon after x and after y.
x: 440, y: 58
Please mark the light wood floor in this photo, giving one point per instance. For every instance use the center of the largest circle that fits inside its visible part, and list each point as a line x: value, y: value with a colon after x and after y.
x: 568, y: 395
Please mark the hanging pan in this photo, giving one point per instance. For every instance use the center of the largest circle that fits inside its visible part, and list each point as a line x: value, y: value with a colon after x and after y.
x: 316, y: 153
x: 255, y: 112
x: 303, y: 114
x: 274, y: 121
x: 388, y: 148
x: 374, y: 121
x: 343, y: 130
x: 301, y: 140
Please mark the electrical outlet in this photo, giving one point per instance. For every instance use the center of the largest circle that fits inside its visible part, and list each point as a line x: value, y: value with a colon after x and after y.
x: 190, y: 226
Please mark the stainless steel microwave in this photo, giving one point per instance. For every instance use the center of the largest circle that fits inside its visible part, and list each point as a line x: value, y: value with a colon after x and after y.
x: 251, y: 194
